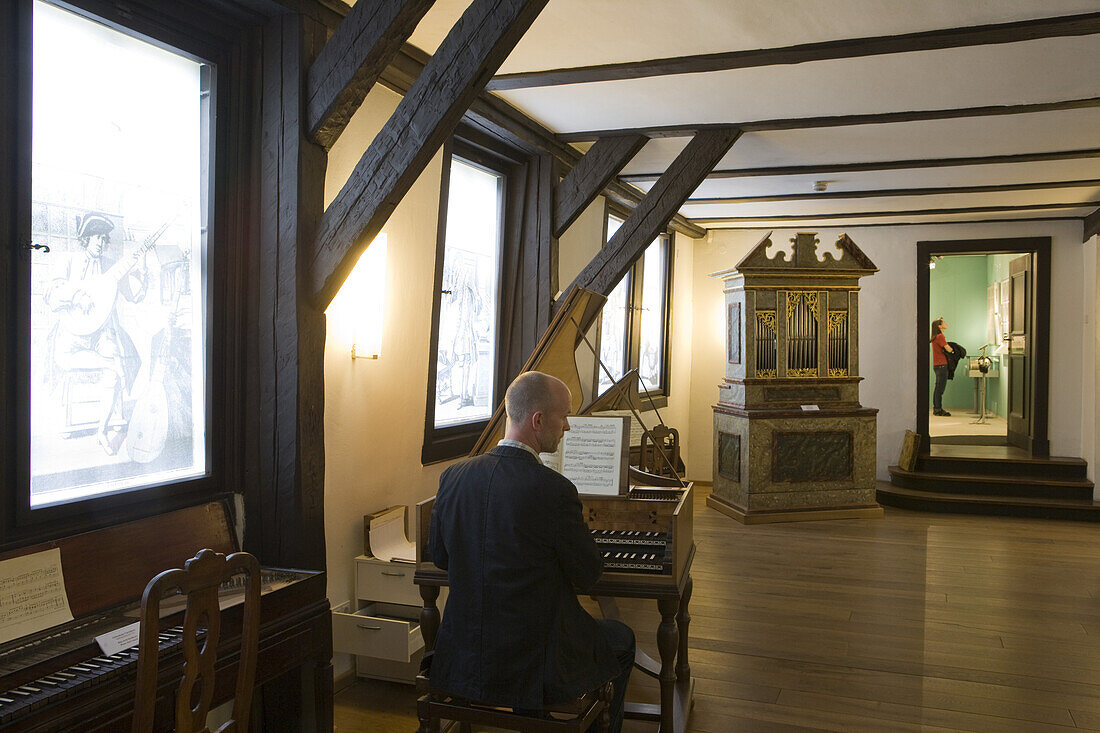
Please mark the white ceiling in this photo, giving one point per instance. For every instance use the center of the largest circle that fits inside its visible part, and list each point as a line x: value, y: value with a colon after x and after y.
x: 572, y: 33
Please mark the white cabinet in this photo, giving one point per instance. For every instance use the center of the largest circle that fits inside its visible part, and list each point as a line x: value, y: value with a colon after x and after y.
x: 383, y: 629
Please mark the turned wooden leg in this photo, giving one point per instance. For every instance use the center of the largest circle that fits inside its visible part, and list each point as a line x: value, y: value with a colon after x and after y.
x: 667, y: 641
x: 683, y: 619
x: 429, y: 615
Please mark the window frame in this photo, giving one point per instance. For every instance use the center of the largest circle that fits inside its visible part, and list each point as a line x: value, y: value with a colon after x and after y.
x: 633, y: 326
x: 452, y: 441
x: 165, y: 27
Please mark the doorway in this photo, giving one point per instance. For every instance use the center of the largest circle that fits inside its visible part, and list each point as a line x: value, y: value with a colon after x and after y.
x: 994, y: 298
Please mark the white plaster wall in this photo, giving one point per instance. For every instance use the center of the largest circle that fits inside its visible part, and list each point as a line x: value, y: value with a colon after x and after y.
x: 374, y: 410
x: 887, y: 322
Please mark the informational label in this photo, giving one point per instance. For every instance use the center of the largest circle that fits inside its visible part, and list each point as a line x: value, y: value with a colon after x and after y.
x: 594, y: 454
x: 32, y: 594
x: 118, y: 640
x: 810, y: 408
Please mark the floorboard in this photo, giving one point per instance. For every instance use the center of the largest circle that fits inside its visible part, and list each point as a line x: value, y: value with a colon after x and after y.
x: 910, y: 622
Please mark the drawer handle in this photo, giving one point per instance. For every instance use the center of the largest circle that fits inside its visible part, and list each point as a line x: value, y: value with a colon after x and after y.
x: 393, y: 574
x: 369, y: 628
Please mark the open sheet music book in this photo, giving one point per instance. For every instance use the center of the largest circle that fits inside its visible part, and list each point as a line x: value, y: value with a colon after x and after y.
x: 385, y: 535
x: 594, y: 454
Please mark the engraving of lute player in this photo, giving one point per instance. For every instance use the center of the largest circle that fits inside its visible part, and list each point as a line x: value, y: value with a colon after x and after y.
x: 89, y: 336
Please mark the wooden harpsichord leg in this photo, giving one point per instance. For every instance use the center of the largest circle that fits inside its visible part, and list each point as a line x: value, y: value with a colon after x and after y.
x: 683, y: 618
x: 429, y: 615
x: 667, y: 641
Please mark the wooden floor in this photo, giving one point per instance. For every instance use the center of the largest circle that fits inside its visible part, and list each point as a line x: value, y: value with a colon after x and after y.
x: 911, y: 622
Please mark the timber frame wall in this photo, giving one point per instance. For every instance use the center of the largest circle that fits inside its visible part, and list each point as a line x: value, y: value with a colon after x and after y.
x: 266, y: 331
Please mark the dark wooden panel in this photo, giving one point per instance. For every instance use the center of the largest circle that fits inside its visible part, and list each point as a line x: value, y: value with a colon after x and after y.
x: 806, y: 123
x: 124, y: 558
x: 425, y: 117
x: 811, y: 456
x: 288, y: 380
x: 652, y: 215
x: 1071, y: 25
x: 591, y: 175
x: 352, y: 60
x: 882, y: 165
x: 729, y: 456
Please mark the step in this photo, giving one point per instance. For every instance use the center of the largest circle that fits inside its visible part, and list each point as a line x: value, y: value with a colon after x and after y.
x: 1055, y: 467
x: 1008, y: 506
x: 1018, y: 486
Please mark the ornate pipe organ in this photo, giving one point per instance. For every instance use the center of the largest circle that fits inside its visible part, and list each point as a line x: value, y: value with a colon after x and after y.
x: 791, y: 441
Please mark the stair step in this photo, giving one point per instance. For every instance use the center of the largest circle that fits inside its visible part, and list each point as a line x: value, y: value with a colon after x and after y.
x: 1055, y: 467
x: 1018, y: 486
x: 1015, y: 506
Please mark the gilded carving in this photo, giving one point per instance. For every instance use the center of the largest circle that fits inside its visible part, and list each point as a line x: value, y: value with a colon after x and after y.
x: 796, y: 373
x: 836, y: 320
x: 838, y: 372
x: 765, y: 373
x: 767, y: 319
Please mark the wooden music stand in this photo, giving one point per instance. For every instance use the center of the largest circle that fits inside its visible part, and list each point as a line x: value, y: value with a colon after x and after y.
x: 199, y: 580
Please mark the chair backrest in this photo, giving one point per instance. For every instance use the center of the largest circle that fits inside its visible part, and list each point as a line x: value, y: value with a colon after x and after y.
x: 199, y: 580
x: 664, y: 439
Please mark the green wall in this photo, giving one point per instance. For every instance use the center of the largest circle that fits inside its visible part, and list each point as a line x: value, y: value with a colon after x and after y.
x: 957, y: 293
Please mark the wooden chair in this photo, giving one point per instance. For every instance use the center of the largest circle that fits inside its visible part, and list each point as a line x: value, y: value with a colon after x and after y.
x: 588, y: 712
x: 198, y: 580
x: 660, y: 438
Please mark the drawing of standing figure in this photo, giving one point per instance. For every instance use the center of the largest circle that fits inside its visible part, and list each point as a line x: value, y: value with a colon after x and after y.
x: 88, y: 337
x: 467, y: 304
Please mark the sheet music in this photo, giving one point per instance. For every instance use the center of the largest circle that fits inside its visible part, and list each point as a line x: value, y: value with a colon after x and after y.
x: 387, y: 536
x: 32, y: 594
x: 636, y: 428
x: 592, y: 454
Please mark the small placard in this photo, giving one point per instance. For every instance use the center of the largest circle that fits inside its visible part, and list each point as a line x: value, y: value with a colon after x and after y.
x: 118, y: 640
x: 810, y: 408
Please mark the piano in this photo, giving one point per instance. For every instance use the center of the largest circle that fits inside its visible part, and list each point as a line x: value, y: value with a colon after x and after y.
x: 645, y: 534
x: 58, y: 679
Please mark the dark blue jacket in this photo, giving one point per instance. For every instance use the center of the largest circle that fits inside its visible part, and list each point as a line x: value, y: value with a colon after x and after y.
x: 511, y: 535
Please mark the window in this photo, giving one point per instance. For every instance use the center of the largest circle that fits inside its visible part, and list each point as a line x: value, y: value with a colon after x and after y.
x: 117, y: 306
x: 634, y: 322
x: 465, y: 340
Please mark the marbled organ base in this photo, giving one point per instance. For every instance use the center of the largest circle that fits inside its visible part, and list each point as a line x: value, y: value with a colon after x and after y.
x: 791, y: 440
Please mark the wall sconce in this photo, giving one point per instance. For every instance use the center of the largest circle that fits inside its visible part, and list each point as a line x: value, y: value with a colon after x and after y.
x: 358, y: 311
x: 932, y: 261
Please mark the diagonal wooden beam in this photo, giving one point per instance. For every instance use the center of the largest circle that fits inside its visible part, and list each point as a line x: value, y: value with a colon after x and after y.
x: 1092, y: 225
x: 1027, y: 30
x: 590, y: 175
x: 476, y: 46
x: 653, y: 213
x: 353, y: 59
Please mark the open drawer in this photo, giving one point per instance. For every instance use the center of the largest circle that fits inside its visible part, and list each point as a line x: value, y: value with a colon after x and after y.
x: 379, y: 630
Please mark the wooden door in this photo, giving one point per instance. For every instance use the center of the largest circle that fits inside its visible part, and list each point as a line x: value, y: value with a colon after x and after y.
x: 1020, y: 429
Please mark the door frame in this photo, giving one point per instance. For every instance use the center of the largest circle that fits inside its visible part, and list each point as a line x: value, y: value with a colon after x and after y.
x: 1039, y: 248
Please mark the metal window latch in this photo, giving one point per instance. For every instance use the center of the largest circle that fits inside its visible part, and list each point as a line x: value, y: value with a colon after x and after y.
x: 42, y: 247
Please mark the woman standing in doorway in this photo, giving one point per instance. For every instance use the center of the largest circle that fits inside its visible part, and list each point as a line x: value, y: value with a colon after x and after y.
x: 939, y: 365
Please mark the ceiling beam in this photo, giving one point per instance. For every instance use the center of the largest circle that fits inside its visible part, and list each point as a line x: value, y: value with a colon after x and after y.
x: 590, y: 176
x: 879, y: 193
x: 806, y: 123
x: 855, y: 225
x: 1027, y: 30
x: 653, y: 213
x: 503, y: 121
x: 426, y: 116
x: 917, y: 212
x: 353, y: 59
x: 884, y: 165
x: 1092, y: 225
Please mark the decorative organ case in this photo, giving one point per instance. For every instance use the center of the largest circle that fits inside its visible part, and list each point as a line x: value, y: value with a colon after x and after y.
x: 791, y: 440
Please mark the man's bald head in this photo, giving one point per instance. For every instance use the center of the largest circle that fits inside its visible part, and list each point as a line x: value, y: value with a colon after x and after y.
x: 532, y: 392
